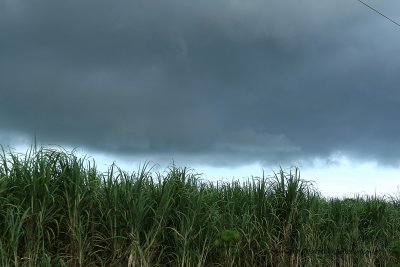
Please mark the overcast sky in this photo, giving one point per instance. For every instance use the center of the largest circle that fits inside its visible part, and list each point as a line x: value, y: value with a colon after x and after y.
x: 220, y: 83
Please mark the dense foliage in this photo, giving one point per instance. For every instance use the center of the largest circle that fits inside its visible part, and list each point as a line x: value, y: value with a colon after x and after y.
x: 58, y: 210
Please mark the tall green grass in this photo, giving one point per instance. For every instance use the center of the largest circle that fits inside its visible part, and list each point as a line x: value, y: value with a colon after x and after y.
x: 58, y: 210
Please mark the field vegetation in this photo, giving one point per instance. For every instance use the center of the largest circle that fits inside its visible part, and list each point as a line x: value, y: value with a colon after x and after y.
x: 58, y: 210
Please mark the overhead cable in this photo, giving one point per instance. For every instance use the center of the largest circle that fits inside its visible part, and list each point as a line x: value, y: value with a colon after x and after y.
x: 383, y: 15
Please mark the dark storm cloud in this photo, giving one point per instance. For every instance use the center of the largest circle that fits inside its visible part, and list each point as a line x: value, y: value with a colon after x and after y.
x: 219, y: 81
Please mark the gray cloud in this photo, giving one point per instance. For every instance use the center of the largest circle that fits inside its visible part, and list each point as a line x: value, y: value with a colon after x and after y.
x: 217, y: 81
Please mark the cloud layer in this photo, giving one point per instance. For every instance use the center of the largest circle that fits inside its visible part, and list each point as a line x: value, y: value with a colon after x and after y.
x: 222, y: 81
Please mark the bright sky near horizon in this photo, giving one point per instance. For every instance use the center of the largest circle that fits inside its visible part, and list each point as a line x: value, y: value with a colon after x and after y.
x: 226, y: 87
x: 343, y: 178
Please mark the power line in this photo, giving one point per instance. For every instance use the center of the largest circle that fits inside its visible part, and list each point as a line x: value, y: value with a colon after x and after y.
x: 386, y: 17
